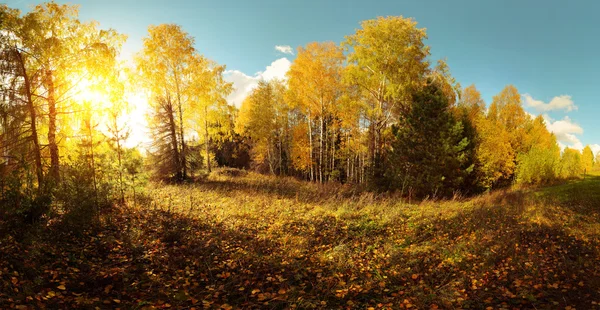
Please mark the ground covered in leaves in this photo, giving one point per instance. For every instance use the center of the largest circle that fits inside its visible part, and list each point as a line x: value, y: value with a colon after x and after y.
x: 250, y: 241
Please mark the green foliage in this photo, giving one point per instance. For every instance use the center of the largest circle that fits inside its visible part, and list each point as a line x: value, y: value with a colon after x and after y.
x: 570, y: 164
x: 81, y: 195
x: 538, y: 165
x: 429, y: 153
x: 19, y: 202
x: 539, y: 159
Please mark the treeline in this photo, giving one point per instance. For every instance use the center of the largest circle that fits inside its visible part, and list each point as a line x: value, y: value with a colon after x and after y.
x: 375, y: 110
x: 62, y: 131
x: 372, y: 111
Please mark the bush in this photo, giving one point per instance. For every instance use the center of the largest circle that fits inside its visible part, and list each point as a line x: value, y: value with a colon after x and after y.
x: 537, y: 166
x: 21, y: 202
x: 81, y: 196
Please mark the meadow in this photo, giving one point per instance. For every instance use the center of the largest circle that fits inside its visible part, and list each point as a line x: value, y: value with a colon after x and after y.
x: 243, y: 240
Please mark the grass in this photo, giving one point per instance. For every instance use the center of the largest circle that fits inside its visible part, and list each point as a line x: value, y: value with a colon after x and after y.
x: 253, y: 241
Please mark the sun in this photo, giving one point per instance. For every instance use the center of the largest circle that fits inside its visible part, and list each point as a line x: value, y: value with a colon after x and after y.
x: 87, y: 92
x: 136, y: 119
x: 94, y: 97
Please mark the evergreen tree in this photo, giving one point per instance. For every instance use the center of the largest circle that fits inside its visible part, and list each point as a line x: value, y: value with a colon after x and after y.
x: 429, y: 154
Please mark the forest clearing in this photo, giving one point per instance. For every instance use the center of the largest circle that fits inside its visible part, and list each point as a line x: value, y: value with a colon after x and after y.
x: 138, y: 171
x: 253, y: 241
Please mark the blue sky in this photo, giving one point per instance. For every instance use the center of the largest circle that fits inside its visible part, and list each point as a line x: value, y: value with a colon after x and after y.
x: 547, y: 49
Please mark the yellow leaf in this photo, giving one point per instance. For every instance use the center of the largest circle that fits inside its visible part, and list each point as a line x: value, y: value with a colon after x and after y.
x: 61, y: 287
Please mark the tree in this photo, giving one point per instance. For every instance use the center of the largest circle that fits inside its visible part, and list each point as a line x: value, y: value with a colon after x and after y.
x: 165, y: 145
x: 501, y: 135
x: 570, y: 163
x: 387, y: 61
x: 494, y: 154
x: 48, y: 57
x: 177, y: 77
x: 537, y: 163
x: 587, y: 159
x: 429, y: 153
x: 16, y: 90
x: 210, y: 111
x: 507, y: 111
x: 118, y: 134
x: 314, y: 81
x: 263, y: 118
x: 471, y: 102
x: 57, y: 52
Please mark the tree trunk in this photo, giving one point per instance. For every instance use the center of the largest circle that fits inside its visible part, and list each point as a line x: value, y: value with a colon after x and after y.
x: 120, y: 164
x: 207, y: 139
x: 270, y: 157
x: 321, y: 152
x: 333, y: 136
x: 348, y: 176
x: 280, y: 154
x: 37, y: 154
x: 52, y: 144
x: 310, y: 143
x: 120, y: 172
x: 93, y: 161
x: 173, y: 129
x: 183, y: 151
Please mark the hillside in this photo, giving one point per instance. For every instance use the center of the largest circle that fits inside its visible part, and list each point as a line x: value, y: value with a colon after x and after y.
x: 252, y: 241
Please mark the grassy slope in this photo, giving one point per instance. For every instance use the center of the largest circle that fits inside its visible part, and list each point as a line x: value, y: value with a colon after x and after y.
x: 255, y: 241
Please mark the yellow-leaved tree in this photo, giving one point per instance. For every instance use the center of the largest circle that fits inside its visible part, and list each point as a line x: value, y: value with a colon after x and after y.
x: 55, y: 53
x: 570, y: 163
x: 587, y: 159
x: 387, y: 61
x: 540, y: 154
x: 314, y: 82
x: 185, y: 89
x: 263, y: 117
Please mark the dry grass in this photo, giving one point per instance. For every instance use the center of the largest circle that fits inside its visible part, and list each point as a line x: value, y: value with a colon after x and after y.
x: 252, y: 241
x: 344, y: 248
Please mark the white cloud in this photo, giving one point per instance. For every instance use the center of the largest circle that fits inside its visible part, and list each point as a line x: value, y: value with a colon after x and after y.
x: 565, y: 131
x: 595, y: 148
x: 243, y: 83
x: 563, y: 102
x: 276, y: 69
x: 286, y: 49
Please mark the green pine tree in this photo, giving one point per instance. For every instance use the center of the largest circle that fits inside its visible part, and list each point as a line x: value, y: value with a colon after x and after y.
x: 431, y: 155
